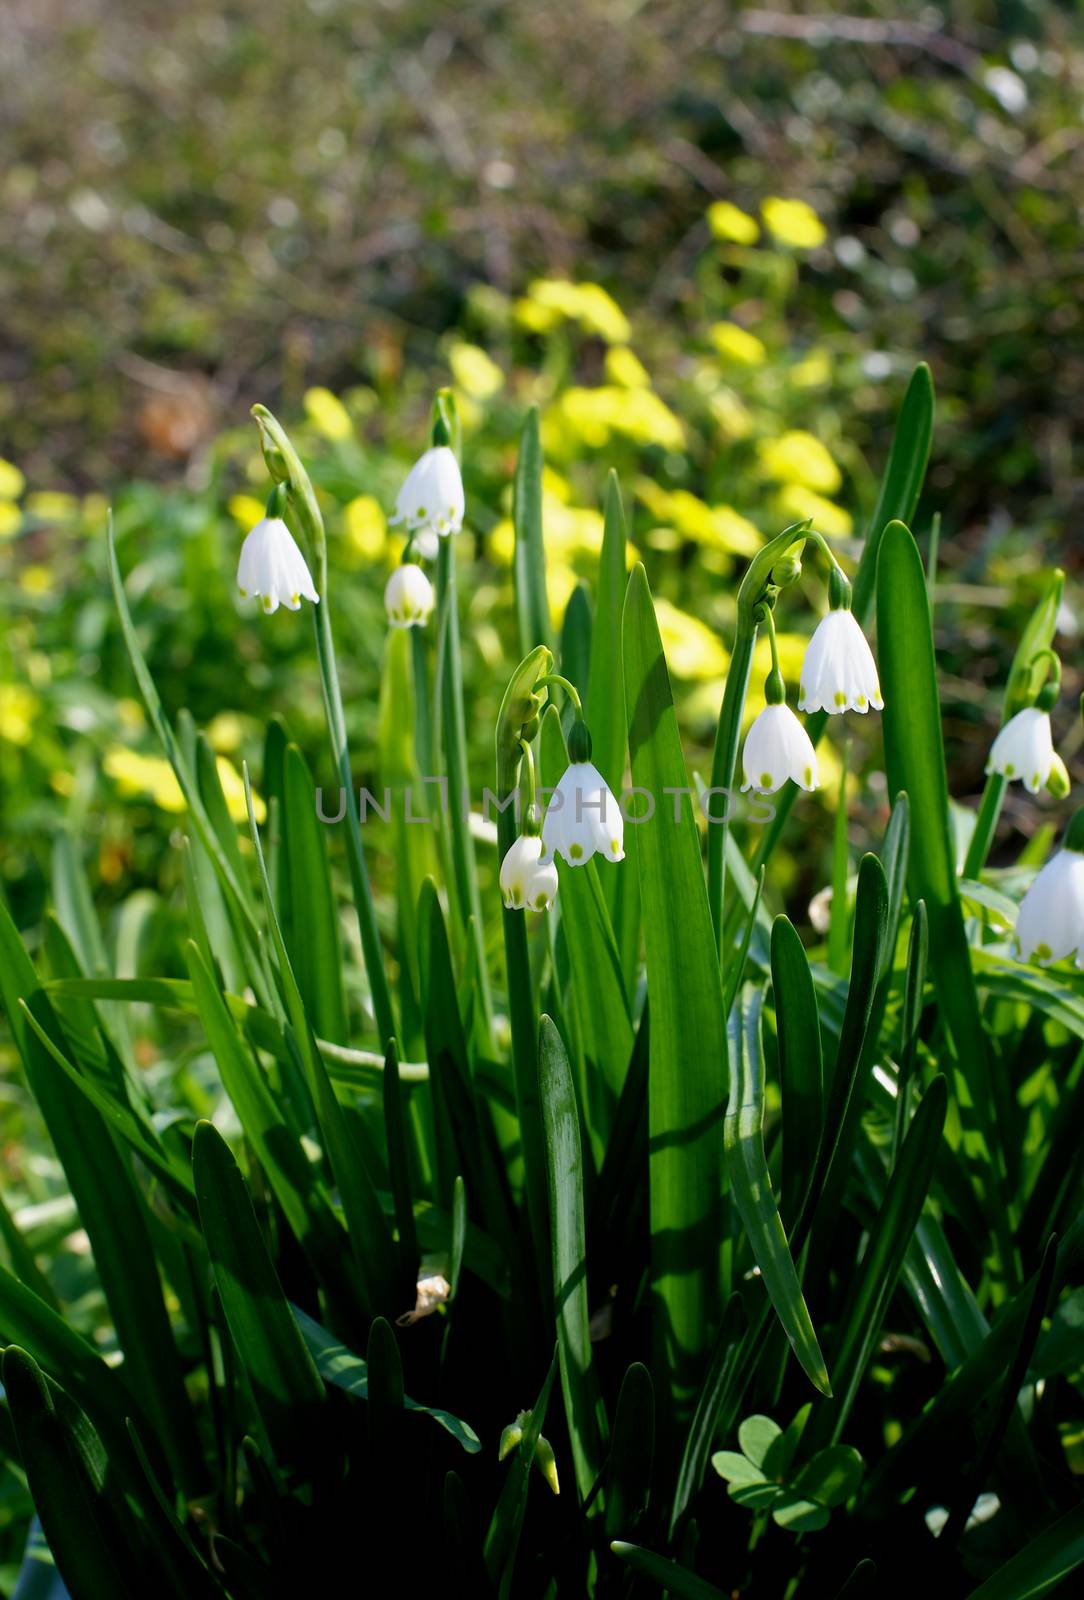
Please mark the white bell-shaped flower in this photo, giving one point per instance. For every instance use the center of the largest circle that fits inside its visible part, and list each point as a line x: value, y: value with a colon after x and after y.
x: 408, y: 597
x: 777, y: 747
x: 1024, y: 749
x: 583, y: 818
x: 527, y: 883
x: 1050, y: 922
x: 839, y: 672
x: 431, y: 501
x: 273, y: 567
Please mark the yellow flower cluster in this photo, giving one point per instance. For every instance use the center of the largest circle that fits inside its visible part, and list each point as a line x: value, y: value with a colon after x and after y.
x: 592, y: 416
x: 136, y: 774
x: 550, y: 301
x: 792, y: 223
x: 716, y: 527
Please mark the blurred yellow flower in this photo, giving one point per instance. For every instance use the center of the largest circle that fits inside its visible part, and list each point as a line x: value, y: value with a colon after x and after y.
x: 593, y: 416
x: 245, y: 510
x: 36, y: 579
x: 738, y: 344
x: 793, y: 223
x: 569, y: 532
x: 136, y: 774
x: 588, y: 304
x: 797, y: 457
x: 130, y: 712
x: 719, y: 527
x: 10, y: 519
x: 18, y: 708
x: 224, y: 732
x: 731, y: 415
x: 813, y: 371
x: 554, y: 483
x: 52, y: 506
x: 12, y: 482
x: 366, y: 527
x: 625, y: 368
x: 560, y: 582
x: 692, y: 650
x: 797, y: 503
x: 474, y: 371
x: 728, y: 221
x: 327, y: 414
x: 233, y: 790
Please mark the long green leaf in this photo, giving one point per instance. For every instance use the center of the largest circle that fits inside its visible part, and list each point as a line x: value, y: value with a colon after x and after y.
x: 751, y: 1185
x: 677, y: 1580
x: 1041, y: 1565
x: 632, y: 1453
x: 801, y: 1066
x: 370, y: 1236
x: 915, y: 761
x: 285, y: 1383
x: 874, y: 1283
x: 688, y: 1071
x: 703, y: 1427
x: 110, y: 1207
x: 85, y: 1539
x: 529, y: 569
x: 312, y: 934
x: 340, y: 1366
x: 584, y: 1411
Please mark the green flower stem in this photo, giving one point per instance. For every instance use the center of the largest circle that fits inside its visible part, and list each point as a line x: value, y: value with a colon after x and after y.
x: 284, y: 462
x: 562, y: 683
x: 985, y: 824
x: 755, y: 589
x: 520, y: 710
x: 454, y: 741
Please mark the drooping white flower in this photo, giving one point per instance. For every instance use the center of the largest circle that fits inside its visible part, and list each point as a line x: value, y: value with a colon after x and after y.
x: 273, y: 567
x: 527, y: 883
x: 583, y: 818
x: 408, y: 597
x: 777, y: 747
x: 1024, y: 749
x: 1050, y: 922
x: 839, y: 672
x: 431, y: 501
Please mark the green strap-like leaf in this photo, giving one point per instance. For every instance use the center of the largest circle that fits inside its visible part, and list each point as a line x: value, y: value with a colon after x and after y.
x: 801, y: 1066
x: 529, y: 569
x: 667, y: 1574
x: 915, y: 762
x: 340, y: 1366
x: 747, y: 1168
x: 688, y: 1071
x: 1041, y: 1565
x: 285, y: 1383
x: 584, y: 1411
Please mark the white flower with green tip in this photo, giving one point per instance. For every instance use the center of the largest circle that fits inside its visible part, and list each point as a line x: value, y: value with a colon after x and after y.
x: 408, y: 597
x: 271, y: 564
x: 1024, y: 749
x: 839, y: 673
x: 1050, y: 922
x: 527, y: 883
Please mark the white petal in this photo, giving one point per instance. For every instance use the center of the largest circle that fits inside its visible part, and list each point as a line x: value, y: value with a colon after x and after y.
x: 777, y: 747
x: 1024, y: 749
x: 272, y: 566
x: 583, y: 818
x: 527, y: 884
x: 1050, y: 922
x: 431, y: 500
x: 839, y: 672
x: 408, y: 597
